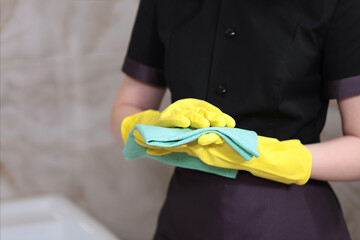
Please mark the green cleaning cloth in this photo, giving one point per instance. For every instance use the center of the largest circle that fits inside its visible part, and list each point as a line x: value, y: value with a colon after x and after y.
x: 132, y: 151
x: 243, y: 141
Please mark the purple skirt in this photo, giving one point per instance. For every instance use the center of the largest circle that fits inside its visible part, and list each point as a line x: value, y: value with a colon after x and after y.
x: 205, y: 206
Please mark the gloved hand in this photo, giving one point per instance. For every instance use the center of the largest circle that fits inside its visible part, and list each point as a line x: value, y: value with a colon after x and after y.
x: 194, y: 113
x: 210, y: 138
x: 286, y: 161
x: 148, y: 117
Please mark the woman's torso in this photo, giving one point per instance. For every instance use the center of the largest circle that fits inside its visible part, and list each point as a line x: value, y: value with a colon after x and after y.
x: 261, y: 61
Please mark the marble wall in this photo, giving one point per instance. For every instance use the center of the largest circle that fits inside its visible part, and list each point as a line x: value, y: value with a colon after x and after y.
x: 60, y: 71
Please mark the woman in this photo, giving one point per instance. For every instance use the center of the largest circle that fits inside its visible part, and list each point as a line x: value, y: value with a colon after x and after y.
x: 273, y: 66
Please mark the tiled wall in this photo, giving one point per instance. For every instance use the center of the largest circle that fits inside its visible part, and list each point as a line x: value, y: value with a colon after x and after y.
x: 60, y: 71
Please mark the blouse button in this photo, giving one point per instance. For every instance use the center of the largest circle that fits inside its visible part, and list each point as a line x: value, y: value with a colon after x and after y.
x: 220, y: 90
x: 230, y: 32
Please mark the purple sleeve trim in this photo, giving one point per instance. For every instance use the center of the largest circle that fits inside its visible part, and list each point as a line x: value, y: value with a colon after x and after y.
x: 343, y: 88
x: 143, y: 72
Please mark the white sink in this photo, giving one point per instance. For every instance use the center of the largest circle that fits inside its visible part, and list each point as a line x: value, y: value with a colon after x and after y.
x: 48, y: 218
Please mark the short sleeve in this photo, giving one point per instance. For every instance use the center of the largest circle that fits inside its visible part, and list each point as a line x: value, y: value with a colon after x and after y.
x: 341, y: 56
x: 145, y: 54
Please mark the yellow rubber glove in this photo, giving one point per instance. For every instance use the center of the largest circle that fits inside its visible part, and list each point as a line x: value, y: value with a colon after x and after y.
x: 148, y: 117
x: 194, y: 113
x: 286, y: 161
x: 210, y: 138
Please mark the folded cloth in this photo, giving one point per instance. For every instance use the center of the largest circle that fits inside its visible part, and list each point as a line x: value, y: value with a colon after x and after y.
x: 244, y: 142
x: 133, y: 151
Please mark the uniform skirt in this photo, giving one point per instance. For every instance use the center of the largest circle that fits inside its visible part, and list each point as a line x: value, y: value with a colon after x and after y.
x: 203, y: 206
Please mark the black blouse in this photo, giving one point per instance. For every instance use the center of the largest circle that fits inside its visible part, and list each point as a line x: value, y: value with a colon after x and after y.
x: 273, y: 65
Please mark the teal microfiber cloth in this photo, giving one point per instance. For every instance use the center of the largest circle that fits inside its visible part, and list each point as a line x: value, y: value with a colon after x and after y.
x: 243, y: 141
x: 132, y: 151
